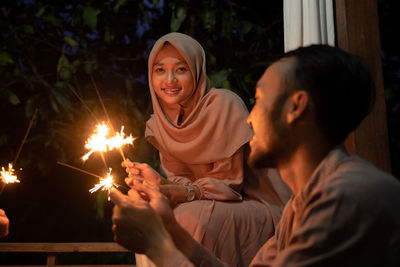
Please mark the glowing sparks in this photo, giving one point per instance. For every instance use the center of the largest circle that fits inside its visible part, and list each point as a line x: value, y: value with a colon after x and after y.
x: 105, y: 184
x: 119, y: 140
x: 8, y: 176
x: 100, y: 140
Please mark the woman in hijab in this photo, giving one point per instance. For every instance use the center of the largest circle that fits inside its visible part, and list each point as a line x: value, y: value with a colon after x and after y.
x: 201, y: 134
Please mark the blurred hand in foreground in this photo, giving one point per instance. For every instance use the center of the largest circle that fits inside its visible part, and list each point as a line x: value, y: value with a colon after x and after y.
x: 4, y: 224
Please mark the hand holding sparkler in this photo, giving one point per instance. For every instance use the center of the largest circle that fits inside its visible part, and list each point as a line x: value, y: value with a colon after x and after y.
x: 142, y: 172
x: 9, y: 176
x: 137, y: 224
x: 4, y: 224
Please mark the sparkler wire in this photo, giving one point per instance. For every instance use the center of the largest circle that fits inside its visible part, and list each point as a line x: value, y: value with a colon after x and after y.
x: 78, y: 169
x: 25, y: 137
x: 105, y: 111
x: 90, y: 173
x: 83, y: 102
x: 2, y: 187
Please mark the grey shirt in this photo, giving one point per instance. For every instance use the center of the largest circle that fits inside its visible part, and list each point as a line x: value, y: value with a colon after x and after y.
x: 348, y: 214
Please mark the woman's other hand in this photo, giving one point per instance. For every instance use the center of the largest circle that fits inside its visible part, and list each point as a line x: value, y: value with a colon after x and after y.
x: 141, y: 172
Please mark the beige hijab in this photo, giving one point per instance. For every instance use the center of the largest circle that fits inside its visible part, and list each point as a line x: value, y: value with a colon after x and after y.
x: 214, y: 125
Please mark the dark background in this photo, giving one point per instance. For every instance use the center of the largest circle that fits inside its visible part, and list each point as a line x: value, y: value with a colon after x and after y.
x: 48, y: 49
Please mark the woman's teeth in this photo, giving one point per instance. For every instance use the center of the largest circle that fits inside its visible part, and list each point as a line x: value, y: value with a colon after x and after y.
x: 171, y: 91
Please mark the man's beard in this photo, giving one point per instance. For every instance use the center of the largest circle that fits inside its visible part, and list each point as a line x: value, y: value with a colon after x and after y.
x: 278, y: 139
x: 261, y: 160
x: 276, y: 150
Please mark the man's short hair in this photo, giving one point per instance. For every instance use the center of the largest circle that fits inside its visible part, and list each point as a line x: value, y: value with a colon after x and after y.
x: 340, y: 85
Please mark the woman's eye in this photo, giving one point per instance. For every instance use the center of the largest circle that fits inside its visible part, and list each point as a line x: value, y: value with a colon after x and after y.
x: 159, y: 70
x: 182, y: 69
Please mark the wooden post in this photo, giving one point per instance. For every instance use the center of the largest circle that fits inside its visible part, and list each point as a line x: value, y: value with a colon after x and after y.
x: 51, y: 259
x: 357, y: 31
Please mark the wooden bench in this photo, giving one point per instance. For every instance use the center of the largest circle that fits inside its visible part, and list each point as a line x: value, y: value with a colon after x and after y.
x: 52, y: 249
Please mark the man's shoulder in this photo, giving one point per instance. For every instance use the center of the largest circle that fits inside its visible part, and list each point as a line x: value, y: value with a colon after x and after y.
x: 358, y: 182
x: 353, y: 171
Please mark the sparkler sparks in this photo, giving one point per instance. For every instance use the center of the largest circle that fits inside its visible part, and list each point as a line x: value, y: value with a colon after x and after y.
x: 105, y: 184
x: 8, y: 176
x: 100, y: 141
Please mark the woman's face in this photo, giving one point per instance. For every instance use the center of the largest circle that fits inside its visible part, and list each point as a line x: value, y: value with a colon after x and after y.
x: 171, y: 77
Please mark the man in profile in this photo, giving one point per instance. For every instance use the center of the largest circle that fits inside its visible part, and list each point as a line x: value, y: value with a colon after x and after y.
x: 343, y: 210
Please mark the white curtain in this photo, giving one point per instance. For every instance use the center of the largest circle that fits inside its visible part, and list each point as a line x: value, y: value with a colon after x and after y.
x: 308, y: 22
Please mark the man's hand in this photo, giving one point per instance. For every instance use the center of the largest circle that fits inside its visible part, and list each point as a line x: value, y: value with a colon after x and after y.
x: 141, y: 172
x: 4, y: 224
x: 139, y: 228
x: 157, y: 201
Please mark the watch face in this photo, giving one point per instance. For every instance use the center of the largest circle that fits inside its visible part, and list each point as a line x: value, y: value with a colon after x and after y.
x: 190, y: 197
x: 190, y: 194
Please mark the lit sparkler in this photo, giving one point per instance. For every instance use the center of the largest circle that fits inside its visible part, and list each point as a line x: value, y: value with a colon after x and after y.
x: 105, y: 184
x: 101, y: 142
x: 8, y: 176
x: 98, y: 141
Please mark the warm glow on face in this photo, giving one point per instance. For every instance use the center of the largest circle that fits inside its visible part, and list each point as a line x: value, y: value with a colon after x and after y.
x: 171, y: 77
x: 100, y: 141
x: 8, y: 176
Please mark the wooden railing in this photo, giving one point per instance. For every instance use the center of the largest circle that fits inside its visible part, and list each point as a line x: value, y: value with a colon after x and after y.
x: 53, y: 249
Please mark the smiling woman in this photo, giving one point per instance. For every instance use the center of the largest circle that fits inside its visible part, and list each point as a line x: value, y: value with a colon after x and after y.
x: 171, y: 78
x: 201, y: 135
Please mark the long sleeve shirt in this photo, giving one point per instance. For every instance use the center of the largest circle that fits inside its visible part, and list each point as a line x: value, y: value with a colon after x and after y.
x: 347, y: 215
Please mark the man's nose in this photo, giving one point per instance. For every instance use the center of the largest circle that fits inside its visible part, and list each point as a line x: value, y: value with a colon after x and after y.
x: 248, y: 120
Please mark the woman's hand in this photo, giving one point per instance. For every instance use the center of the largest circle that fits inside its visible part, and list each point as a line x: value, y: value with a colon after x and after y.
x: 142, y: 172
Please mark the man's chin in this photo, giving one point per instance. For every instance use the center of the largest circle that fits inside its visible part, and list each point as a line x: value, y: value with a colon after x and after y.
x: 260, y: 160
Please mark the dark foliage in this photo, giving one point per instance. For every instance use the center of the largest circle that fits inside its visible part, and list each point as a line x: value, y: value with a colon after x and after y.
x: 52, y: 49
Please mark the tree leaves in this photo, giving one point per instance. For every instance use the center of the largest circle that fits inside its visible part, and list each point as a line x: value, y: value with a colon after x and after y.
x: 70, y: 41
x: 63, y: 68
x: 220, y: 79
x: 51, y: 47
x: 90, y: 17
x: 13, y: 99
x: 178, y: 17
x: 119, y: 4
x: 5, y: 59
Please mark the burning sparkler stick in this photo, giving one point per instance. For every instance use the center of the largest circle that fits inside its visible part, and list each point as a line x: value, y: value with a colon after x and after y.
x: 106, y: 183
x: 100, y: 141
x: 78, y: 169
x: 26, y: 136
x: 9, y: 176
x: 82, y: 101
x: 105, y: 112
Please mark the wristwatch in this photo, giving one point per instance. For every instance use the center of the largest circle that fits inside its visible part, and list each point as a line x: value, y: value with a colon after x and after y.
x: 191, y: 194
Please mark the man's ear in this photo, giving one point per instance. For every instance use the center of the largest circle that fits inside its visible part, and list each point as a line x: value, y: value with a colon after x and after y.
x: 298, y: 103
